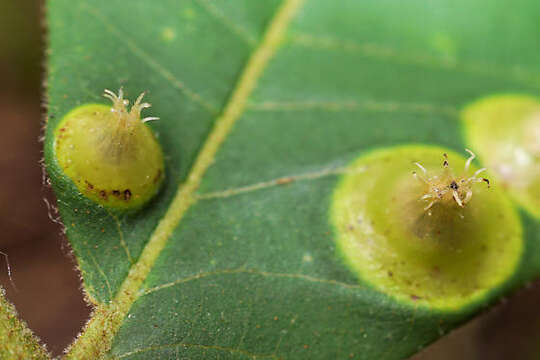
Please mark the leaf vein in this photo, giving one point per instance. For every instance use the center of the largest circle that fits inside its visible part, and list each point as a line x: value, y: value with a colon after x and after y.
x: 121, y: 236
x: 102, y: 273
x: 253, y: 272
x: 369, y: 105
x: 201, y: 346
x: 385, y: 52
x: 236, y: 29
x: 284, y: 180
x: 153, y: 64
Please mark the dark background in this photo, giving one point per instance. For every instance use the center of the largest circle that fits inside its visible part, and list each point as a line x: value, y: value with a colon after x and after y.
x: 49, y: 296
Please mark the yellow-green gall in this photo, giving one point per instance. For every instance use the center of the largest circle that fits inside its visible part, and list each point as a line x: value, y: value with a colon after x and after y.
x: 110, y: 154
x: 420, y: 224
x: 504, y: 130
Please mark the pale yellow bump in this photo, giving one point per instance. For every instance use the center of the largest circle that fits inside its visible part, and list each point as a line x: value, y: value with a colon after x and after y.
x: 168, y: 34
x: 189, y: 13
x: 307, y: 258
x: 445, y: 46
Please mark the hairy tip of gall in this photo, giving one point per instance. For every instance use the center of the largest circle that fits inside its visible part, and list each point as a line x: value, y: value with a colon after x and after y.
x: 447, y: 188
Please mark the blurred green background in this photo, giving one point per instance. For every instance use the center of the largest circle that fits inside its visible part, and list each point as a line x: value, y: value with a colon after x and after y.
x: 48, y: 295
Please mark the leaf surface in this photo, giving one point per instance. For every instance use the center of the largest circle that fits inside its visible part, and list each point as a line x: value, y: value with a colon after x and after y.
x: 262, y: 104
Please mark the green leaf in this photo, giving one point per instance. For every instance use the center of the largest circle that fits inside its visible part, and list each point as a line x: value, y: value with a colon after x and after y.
x: 262, y: 104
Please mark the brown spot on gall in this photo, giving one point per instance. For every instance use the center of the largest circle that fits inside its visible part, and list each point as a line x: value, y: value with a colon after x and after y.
x: 157, y: 177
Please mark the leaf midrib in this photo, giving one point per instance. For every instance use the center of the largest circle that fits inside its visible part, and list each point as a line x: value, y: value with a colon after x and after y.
x: 98, y: 334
